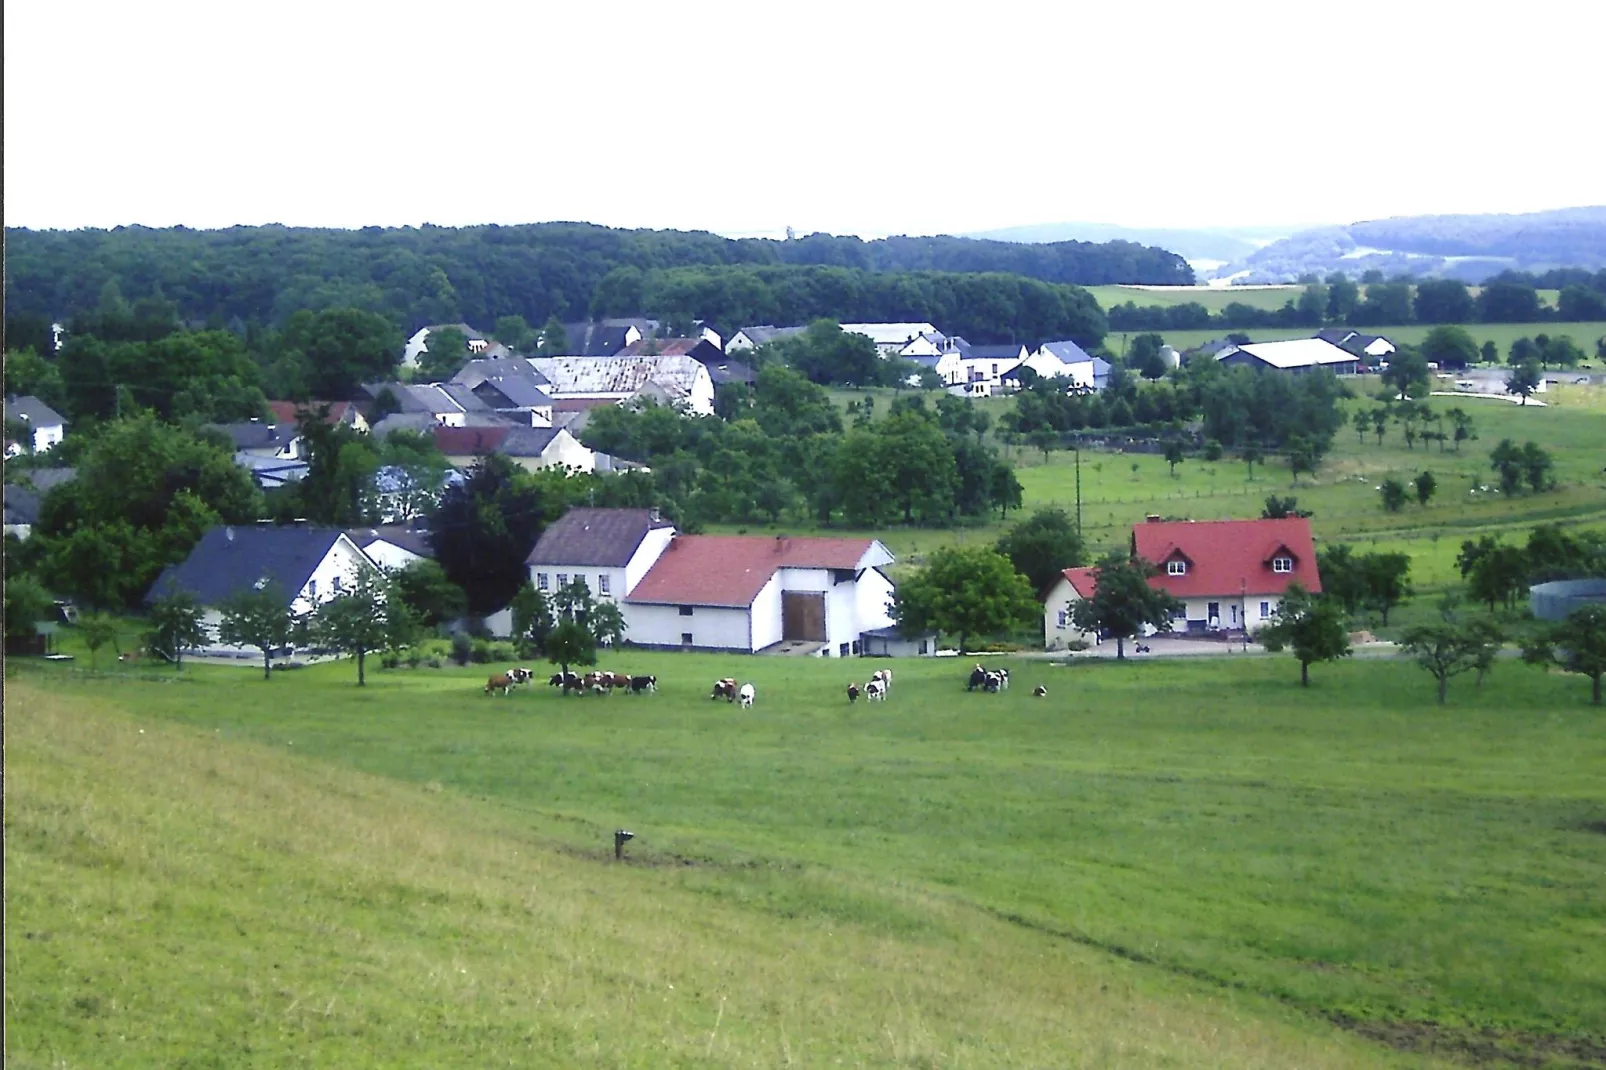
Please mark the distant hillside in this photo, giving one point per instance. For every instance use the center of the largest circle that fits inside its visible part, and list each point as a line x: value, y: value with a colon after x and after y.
x: 1222, y: 244
x: 1469, y: 247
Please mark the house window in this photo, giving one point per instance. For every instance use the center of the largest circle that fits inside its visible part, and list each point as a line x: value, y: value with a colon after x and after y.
x: 603, y: 585
x: 1265, y: 610
x: 312, y: 589
x: 842, y: 650
x: 1180, y: 613
x: 1176, y: 568
x: 1065, y: 620
x: 1282, y: 564
x: 579, y: 578
x: 685, y: 611
x: 922, y: 646
x: 856, y: 646
x: 563, y: 579
x: 541, y: 581
x: 685, y: 638
x: 336, y: 584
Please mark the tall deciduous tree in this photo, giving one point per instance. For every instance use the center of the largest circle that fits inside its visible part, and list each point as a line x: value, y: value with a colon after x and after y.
x: 1523, y: 380
x: 1450, y: 647
x: 1577, y: 644
x: 1123, y: 603
x: 1496, y: 573
x: 445, y: 352
x: 369, y: 616
x: 486, y: 526
x: 1393, y: 494
x: 1449, y: 347
x: 1313, y: 628
x: 257, y: 617
x: 1426, y: 484
x: 1042, y: 546
x: 965, y: 591
x: 175, y: 624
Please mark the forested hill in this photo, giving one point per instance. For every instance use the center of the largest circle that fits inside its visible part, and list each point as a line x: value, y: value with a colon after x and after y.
x: 571, y: 270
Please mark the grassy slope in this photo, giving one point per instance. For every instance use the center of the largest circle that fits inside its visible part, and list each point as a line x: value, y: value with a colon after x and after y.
x: 1502, y: 334
x: 182, y: 897
x: 1352, y: 851
x: 1217, y: 298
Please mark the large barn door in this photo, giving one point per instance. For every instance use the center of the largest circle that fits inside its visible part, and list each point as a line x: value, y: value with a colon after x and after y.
x: 803, y: 616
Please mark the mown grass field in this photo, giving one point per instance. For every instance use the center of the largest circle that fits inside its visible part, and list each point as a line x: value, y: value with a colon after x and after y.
x: 1217, y: 298
x: 1501, y: 334
x: 1162, y: 864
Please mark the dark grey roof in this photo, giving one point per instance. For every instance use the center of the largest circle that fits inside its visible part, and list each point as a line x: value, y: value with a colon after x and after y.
x: 528, y: 441
x: 601, y: 538
x: 21, y: 504
x: 44, y: 479
x: 895, y: 632
x: 228, y: 560
x: 255, y: 434
x: 766, y: 334
x: 994, y: 352
x: 36, y: 412
x: 465, y: 397
x: 729, y: 371
x: 421, y: 422
x: 512, y: 392
x: 595, y: 339
x: 397, y: 535
x: 476, y: 372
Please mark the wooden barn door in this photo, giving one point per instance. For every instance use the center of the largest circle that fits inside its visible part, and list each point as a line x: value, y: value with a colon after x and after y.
x: 803, y: 616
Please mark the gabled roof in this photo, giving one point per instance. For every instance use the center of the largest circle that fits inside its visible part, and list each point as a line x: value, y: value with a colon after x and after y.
x: 730, y: 371
x: 1229, y: 557
x: 699, y: 347
x: 730, y: 570
x: 595, y: 339
x: 43, y: 479
x: 529, y: 441
x: 766, y: 334
x: 21, y: 504
x: 285, y: 412
x: 1014, y: 352
x: 476, y: 372
x: 255, y: 435
x: 1081, y: 581
x: 1067, y: 351
x: 410, y: 539
x: 36, y: 412
x: 1293, y: 353
x: 228, y: 560
x: 512, y: 392
x: 886, y: 334
x: 617, y: 375
x: 598, y: 538
x: 421, y: 422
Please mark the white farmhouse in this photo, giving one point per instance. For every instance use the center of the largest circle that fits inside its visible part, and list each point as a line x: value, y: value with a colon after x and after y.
x: 892, y: 338
x: 308, y: 566
x: 682, y: 378
x: 720, y: 592
x: 46, y: 426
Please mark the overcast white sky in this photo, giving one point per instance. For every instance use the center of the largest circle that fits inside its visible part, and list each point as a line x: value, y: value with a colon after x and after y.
x: 861, y: 117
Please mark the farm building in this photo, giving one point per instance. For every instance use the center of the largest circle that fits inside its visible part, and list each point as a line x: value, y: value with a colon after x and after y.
x: 1370, y: 348
x: 683, y: 378
x: 719, y: 592
x: 1296, y: 356
x: 1230, y: 575
x: 753, y: 337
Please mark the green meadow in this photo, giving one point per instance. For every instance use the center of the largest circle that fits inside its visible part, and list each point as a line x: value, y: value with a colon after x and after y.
x: 1217, y: 298
x: 1160, y: 864
x: 1501, y: 334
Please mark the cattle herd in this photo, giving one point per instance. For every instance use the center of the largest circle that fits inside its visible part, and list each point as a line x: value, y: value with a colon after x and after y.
x: 874, y: 689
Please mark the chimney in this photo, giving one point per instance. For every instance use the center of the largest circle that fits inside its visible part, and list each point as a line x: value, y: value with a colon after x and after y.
x: 654, y: 515
x: 1152, y: 518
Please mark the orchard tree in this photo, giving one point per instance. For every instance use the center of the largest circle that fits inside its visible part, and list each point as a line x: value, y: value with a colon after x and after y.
x: 1577, y: 644
x: 965, y: 591
x: 1407, y: 374
x: 1313, y: 628
x: 1387, y: 579
x: 570, y: 643
x: 1462, y: 422
x: 257, y: 617
x: 1451, y: 647
x: 1252, y: 455
x: 1393, y: 493
x: 175, y: 624
x: 26, y: 603
x: 369, y: 616
x: 1174, y: 455
x: 97, y: 630
x: 1123, y: 603
x: 1523, y: 380
x: 1425, y: 485
x: 1495, y: 572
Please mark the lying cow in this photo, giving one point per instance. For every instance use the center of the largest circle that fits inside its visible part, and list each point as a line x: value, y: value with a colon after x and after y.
x: 746, y: 695
x: 1039, y: 691
x: 725, y: 689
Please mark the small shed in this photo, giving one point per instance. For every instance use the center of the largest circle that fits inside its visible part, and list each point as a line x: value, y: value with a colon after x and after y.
x: 890, y: 642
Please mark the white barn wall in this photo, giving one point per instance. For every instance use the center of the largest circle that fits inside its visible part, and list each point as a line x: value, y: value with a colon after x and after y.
x: 719, y: 628
x: 767, y: 623
x: 646, y: 555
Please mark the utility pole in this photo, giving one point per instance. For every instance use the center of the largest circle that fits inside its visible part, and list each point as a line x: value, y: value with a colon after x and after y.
x: 1077, y: 449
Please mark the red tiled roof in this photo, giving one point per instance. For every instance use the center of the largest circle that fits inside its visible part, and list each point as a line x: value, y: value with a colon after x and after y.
x: 285, y: 411
x: 1226, y: 557
x: 730, y: 570
x: 1081, y: 580
x: 465, y: 441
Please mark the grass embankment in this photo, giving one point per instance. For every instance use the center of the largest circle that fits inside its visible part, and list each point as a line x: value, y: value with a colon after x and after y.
x: 1178, y: 864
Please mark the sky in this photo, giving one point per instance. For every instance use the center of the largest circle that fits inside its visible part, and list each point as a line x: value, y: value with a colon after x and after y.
x: 748, y: 118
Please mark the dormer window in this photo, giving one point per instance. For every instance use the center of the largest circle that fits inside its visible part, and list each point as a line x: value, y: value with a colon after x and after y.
x: 1176, y: 567
x: 1282, y: 564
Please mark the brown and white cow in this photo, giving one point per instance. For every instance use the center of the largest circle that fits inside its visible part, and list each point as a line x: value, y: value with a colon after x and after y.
x: 725, y: 689
x: 501, y: 683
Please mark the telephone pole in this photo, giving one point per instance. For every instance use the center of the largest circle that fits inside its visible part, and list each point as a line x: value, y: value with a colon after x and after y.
x: 1077, y: 449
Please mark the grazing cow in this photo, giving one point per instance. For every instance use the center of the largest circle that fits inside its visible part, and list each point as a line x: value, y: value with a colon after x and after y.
x: 993, y: 683
x: 1004, y: 678
x: 885, y: 678
x: 620, y: 680
x: 520, y: 676
x: 853, y: 693
x: 598, y: 682
x: 978, y: 678
x: 643, y: 683
x: 747, y: 694
x: 563, y: 680
x: 1039, y: 691
x: 501, y: 683
x: 725, y: 689
x: 875, y: 691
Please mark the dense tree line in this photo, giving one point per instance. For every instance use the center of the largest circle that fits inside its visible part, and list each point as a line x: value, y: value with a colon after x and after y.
x: 780, y: 450
x: 417, y: 276
x: 1511, y: 297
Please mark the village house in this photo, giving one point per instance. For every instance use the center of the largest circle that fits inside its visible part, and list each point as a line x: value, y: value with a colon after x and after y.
x: 1296, y: 356
x: 531, y: 448
x: 1230, y: 575
x: 266, y: 440
x: 753, y: 337
x: 605, y: 339
x: 418, y: 344
x: 288, y: 413
x: 720, y: 592
x: 308, y: 566
x: 45, y: 425
x: 988, y: 364
x: 1369, y: 348
x: 683, y: 379
x: 393, y: 547
x: 891, y: 339
x: 21, y: 509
